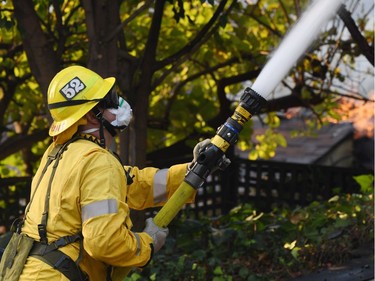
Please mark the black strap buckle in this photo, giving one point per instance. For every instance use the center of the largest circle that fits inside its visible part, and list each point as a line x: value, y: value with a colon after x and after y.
x: 42, y: 233
x: 60, y: 242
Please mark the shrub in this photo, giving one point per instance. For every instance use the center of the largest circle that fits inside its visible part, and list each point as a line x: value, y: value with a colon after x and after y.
x: 250, y: 245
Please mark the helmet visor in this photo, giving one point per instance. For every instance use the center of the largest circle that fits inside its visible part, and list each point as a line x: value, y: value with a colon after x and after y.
x: 111, y: 100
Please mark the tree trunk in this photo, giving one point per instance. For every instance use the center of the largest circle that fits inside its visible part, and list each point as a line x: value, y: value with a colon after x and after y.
x: 44, y: 63
x: 143, y: 85
x: 102, y: 17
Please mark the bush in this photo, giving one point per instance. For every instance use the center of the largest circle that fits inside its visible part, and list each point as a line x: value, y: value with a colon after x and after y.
x: 249, y: 245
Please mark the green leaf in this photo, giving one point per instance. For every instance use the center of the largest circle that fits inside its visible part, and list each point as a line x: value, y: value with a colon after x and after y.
x: 366, y: 182
x: 218, y: 270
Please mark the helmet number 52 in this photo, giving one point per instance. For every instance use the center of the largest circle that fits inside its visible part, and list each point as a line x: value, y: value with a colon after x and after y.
x: 72, y: 88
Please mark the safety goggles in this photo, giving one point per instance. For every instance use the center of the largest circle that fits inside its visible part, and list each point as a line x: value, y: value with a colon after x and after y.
x: 110, y: 100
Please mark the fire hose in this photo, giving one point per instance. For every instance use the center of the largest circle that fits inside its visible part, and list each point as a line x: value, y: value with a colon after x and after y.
x: 226, y: 135
x: 208, y: 159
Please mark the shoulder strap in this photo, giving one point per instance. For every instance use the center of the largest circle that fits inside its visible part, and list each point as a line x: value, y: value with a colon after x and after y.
x: 42, y: 227
x: 51, y: 156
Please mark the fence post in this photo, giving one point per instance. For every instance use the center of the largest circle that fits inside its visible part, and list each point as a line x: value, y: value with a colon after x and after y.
x: 229, y: 184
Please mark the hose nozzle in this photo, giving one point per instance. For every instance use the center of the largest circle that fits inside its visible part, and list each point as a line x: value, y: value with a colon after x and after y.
x: 226, y: 135
x: 252, y: 101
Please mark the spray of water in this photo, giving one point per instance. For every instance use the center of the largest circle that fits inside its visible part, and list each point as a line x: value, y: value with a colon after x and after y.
x: 298, y: 39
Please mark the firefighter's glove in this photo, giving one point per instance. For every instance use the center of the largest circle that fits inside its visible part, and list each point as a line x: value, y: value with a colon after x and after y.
x: 200, y: 146
x: 158, y: 234
x: 222, y: 164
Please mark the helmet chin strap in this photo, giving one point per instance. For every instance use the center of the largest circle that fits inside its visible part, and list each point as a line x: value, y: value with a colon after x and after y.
x: 109, y: 127
x: 103, y: 124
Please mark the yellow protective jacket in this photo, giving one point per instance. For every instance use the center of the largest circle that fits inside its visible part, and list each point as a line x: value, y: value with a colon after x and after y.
x: 90, y: 194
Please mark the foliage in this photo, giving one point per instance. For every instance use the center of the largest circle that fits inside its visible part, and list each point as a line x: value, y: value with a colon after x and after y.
x: 366, y: 182
x: 249, y: 245
x: 181, y: 69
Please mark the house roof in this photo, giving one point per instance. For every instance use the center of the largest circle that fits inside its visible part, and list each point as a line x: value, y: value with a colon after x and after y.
x: 305, y: 149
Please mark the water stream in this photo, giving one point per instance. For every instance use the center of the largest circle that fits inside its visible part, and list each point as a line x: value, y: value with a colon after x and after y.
x: 296, y: 42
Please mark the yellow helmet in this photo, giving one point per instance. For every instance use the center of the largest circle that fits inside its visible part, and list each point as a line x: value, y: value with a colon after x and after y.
x: 72, y: 93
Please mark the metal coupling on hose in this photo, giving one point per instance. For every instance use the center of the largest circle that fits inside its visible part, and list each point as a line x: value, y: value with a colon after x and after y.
x: 252, y: 101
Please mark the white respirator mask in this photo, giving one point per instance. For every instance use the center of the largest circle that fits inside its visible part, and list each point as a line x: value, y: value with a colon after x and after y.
x: 123, y: 114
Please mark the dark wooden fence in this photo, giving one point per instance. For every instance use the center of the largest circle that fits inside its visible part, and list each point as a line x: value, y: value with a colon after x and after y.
x: 263, y: 184
x: 266, y: 185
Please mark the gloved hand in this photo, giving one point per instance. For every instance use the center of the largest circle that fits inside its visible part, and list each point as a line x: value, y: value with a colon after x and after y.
x: 222, y: 164
x: 158, y: 235
x: 199, y: 147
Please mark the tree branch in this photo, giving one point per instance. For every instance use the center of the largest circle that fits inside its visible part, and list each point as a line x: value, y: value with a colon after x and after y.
x: 350, y: 24
x: 197, y: 40
x: 119, y: 28
x: 18, y: 142
x: 183, y: 58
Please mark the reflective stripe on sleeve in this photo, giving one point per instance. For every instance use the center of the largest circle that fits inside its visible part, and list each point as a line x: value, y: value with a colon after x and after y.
x: 160, y: 186
x: 99, y: 208
x: 138, y: 243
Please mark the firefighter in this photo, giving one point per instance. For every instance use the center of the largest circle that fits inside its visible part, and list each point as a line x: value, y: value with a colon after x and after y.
x: 81, y: 194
